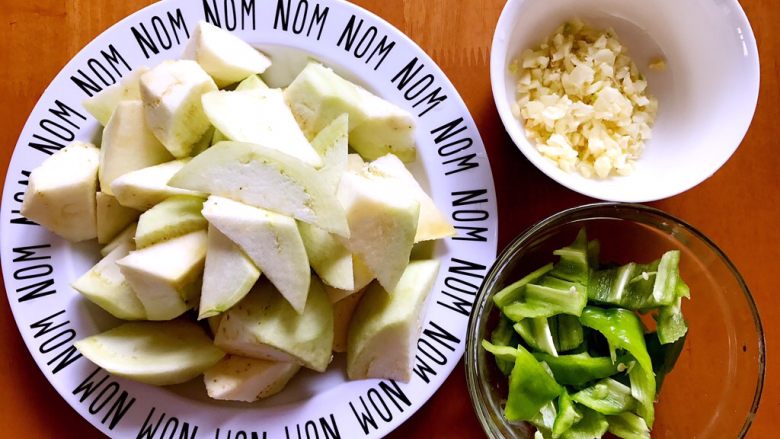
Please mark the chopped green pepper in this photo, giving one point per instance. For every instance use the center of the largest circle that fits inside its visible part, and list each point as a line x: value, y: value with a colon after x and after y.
x: 525, y: 329
x: 614, y: 286
x: 622, y: 329
x: 530, y: 388
x: 544, y: 336
x: 552, y: 296
x: 668, y: 276
x: 628, y: 426
x: 671, y: 325
x: 637, y: 286
x: 505, y: 355
x: 579, y: 369
x: 567, y: 415
x: 568, y: 332
x: 514, y: 292
x: 664, y: 356
x: 548, y: 310
x: 503, y: 335
x: 593, y: 425
x: 682, y: 289
x: 594, y: 248
x: 545, y: 420
x: 568, y: 296
x: 573, y: 265
x: 643, y: 390
x: 537, y: 334
x: 519, y: 311
x: 607, y: 397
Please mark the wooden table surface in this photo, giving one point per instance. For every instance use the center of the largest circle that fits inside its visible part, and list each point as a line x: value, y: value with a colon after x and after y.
x: 739, y: 207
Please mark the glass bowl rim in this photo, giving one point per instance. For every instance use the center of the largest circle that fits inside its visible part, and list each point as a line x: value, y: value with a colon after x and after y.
x: 472, y: 345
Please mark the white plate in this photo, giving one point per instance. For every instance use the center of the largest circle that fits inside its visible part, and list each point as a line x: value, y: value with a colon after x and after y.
x: 38, y: 267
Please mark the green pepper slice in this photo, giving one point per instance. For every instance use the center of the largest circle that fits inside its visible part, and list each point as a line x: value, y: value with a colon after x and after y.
x: 530, y: 388
x: 608, y: 397
x: 578, y: 369
x: 567, y: 415
x: 628, y: 426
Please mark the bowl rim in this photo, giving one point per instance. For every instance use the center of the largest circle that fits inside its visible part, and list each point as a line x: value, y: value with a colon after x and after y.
x: 482, y: 298
x: 497, y: 80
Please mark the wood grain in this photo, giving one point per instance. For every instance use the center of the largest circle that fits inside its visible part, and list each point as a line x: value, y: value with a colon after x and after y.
x: 739, y: 207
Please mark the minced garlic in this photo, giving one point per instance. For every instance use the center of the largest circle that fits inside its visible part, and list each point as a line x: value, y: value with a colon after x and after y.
x: 583, y: 101
x: 658, y: 64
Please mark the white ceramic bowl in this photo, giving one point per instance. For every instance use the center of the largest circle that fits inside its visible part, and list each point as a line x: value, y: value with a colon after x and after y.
x: 707, y: 94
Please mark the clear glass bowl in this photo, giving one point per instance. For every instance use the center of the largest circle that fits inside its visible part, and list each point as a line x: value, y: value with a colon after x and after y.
x: 715, y: 387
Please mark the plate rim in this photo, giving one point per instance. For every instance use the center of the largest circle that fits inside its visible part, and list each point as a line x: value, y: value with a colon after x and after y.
x: 61, y: 77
